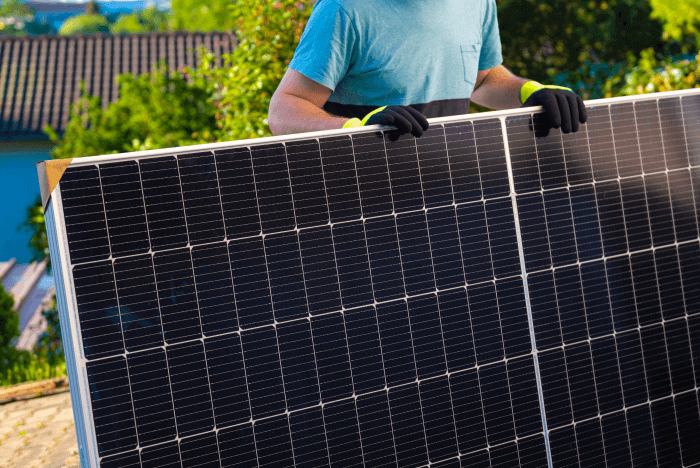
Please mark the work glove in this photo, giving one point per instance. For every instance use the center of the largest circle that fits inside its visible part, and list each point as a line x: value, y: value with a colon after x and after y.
x: 563, y: 107
x: 406, y: 119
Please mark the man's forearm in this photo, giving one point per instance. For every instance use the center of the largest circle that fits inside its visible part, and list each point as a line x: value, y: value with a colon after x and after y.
x: 292, y: 114
x: 499, y: 90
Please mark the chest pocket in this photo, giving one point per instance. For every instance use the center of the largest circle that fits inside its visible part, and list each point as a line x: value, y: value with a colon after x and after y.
x: 470, y: 60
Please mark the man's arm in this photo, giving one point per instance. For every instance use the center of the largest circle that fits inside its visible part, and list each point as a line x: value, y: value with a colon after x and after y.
x: 296, y: 106
x: 498, y: 89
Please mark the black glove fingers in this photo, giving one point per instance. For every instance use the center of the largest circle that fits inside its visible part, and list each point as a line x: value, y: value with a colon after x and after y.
x: 420, y: 118
x: 551, y: 107
x: 564, y: 112
x: 416, y: 129
x: 572, y: 100
x: 582, y: 113
x: 400, y: 121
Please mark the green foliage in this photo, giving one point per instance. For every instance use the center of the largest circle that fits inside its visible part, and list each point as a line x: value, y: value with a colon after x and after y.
x: 199, y: 15
x: 18, y: 366
x: 680, y: 17
x: 150, y: 19
x: 268, y: 34
x: 50, y: 343
x: 543, y: 39
x: 9, y: 319
x: 17, y: 19
x: 649, y: 75
x: 155, y: 110
x: 34, y: 224
x: 84, y: 24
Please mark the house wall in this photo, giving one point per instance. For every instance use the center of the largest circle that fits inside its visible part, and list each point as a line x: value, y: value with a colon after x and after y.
x: 19, y: 187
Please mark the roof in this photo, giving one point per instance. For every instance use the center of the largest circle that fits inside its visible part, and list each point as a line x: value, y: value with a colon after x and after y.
x: 40, y: 76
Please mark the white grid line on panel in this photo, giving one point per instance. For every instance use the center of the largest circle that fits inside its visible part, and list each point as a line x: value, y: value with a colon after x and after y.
x: 531, y: 326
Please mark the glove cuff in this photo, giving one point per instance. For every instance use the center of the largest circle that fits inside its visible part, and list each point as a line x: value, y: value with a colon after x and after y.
x: 528, y: 88
x: 375, y: 111
x: 355, y: 122
x: 531, y: 87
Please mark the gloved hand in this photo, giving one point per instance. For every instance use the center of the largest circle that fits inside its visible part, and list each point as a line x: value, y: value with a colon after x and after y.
x: 406, y: 119
x: 564, y: 108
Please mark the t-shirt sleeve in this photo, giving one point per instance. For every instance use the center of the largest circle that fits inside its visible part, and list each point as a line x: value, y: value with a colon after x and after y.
x: 491, y: 40
x: 326, y: 49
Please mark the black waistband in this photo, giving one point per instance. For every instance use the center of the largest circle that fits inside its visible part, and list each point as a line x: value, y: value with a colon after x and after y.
x: 431, y: 109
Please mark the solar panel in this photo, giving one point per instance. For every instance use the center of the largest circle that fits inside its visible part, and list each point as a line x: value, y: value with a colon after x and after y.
x: 489, y: 295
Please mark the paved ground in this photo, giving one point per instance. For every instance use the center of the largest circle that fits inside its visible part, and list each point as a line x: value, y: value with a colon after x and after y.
x: 38, y: 433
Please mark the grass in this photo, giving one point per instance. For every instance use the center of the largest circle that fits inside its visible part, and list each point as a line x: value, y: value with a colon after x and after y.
x: 24, y: 366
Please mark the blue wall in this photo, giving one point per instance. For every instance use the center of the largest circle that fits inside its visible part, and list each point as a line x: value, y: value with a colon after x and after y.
x: 19, y: 186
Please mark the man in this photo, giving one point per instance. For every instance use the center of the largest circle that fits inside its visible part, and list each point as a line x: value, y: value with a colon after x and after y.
x: 396, y: 62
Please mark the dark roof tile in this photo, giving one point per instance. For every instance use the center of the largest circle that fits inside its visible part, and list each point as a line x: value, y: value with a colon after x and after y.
x: 40, y: 76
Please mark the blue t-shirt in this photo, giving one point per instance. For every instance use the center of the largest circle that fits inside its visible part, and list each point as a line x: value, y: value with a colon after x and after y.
x: 373, y: 53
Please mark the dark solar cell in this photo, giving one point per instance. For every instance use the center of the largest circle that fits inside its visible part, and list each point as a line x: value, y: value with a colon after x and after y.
x: 613, y: 232
x: 445, y: 247
x: 523, y: 154
x: 404, y: 173
x: 165, y: 455
x: 577, y: 156
x: 407, y: 423
x: 384, y: 258
x: 468, y: 412
x: 308, y: 438
x: 651, y: 146
x: 434, y: 167
x: 464, y: 162
x: 165, y: 210
x: 636, y: 211
x: 365, y: 350
x: 416, y: 256
x: 332, y: 361
x: 227, y: 380
x: 673, y: 133
x: 474, y: 237
x: 320, y: 273
x: 372, y: 174
x: 603, y: 154
x: 100, y: 321
x: 110, y: 397
x: 492, y: 161
x: 550, y: 156
x: 352, y: 261
x: 84, y: 214
x: 238, y: 195
x: 584, y: 210
x: 343, y: 433
x: 691, y: 120
x: 286, y: 276
x: 456, y: 329
x: 426, y: 333
x: 340, y: 177
x: 438, y: 418
x: 624, y: 127
x: 397, y: 347
x: 124, y: 207
x: 298, y: 364
x: 375, y: 430
x: 215, y: 295
x: 616, y: 440
x: 533, y: 229
x: 273, y: 442
x: 560, y: 227
x: 589, y: 439
x: 273, y: 187
x: 308, y: 183
x: 201, y: 196
x: 237, y: 446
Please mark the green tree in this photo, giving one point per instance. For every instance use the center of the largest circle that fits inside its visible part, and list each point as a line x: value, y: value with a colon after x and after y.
x: 34, y: 224
x: 89, y: 23
x: 681, y: 18
x: 160, y: 109
x: 17, y: 19
x: 150, y: 19
x: 268, y: 34
x: 9, y: 320
x: 84, y: 24
x: 562, y: 39
x: 646, y: 74
x: 199, y: 15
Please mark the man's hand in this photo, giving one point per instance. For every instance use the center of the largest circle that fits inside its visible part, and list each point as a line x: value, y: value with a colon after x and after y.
x: 406, y: 119
x: 564, y: 108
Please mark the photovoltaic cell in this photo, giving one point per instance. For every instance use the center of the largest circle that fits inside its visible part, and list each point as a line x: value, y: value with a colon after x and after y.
x: 370, y: 299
